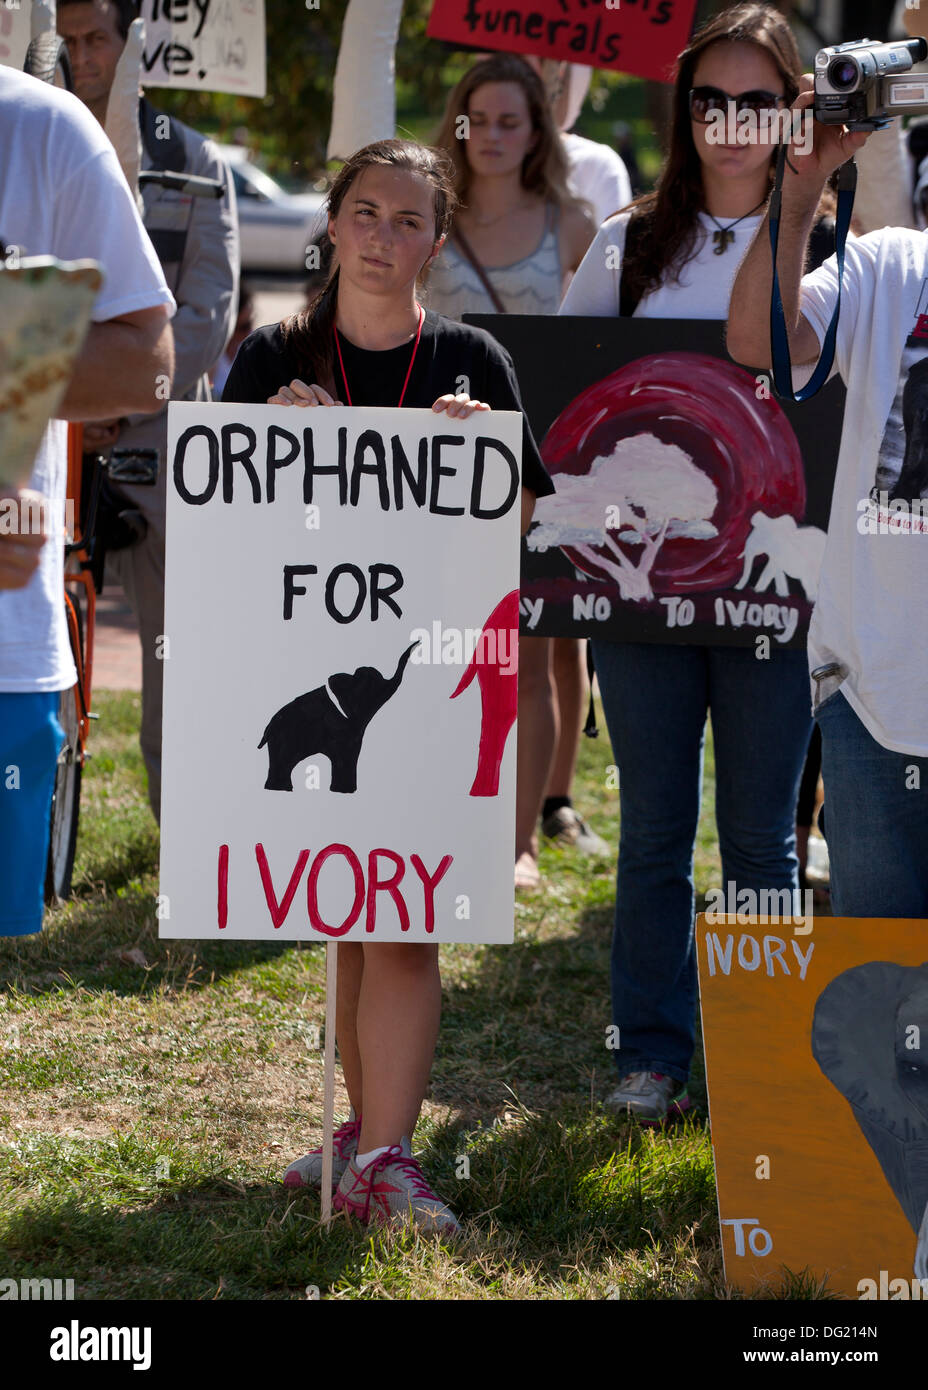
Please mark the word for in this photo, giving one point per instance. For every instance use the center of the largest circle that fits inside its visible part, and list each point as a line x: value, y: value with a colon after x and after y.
x: 583, y: 39
x: 779, y: 616
x: 770, y: 905
x: 452, y: 646
x: 751, y: 952
x: 26, y: 1289
x: 759, y: 1240
x: 901, y: 1288
x: 767, y: 127
x: 76, y: 1343
x: 365, y: 892
x: 378, y: 593
x: 33, y: 515
x: 881, y: 517
x: 230, y: 451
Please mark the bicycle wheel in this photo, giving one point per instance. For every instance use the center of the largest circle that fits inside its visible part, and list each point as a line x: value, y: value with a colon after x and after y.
x: 47, y: 59
x: 66, y: 798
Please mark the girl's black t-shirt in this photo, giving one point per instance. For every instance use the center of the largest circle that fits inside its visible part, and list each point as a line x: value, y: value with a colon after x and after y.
x: 448, y: 351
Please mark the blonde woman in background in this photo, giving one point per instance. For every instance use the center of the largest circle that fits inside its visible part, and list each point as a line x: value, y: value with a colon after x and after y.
x: 517, y: 237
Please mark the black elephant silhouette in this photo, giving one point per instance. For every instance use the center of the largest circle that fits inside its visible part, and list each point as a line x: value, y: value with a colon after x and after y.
x: 332, y: 720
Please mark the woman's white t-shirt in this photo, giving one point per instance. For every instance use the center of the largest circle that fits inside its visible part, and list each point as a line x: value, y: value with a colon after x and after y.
x: 705, y: 282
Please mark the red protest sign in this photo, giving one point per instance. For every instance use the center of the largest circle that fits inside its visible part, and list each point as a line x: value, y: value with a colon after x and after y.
x: 637, y: 36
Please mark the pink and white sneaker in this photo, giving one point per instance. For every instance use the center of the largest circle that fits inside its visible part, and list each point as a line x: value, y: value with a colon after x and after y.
x: 392, y: 1188
x: 307, y: 1172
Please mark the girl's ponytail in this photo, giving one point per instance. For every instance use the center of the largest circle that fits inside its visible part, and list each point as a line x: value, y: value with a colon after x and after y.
x: 308, y: 336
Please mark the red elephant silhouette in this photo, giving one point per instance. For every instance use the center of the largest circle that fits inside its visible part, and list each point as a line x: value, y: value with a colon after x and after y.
x: 499, y: 690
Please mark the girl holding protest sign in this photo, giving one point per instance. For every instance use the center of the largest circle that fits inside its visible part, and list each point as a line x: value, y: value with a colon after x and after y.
x: 366, y: 341
x: 518, y: 234
x: 675, y: 254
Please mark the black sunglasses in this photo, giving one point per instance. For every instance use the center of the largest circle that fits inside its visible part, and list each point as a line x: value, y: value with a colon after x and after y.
x: 704, y: 100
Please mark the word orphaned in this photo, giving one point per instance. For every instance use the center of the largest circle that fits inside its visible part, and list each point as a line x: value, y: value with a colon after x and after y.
x: 751, y: 951
x: 770, y: 905
x: 736, y: 614
x: 454, y: 646
x: 363, y: 895
x: 202, y: 455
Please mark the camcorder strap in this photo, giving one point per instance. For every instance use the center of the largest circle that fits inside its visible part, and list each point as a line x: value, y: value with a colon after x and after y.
x: 779, y: 338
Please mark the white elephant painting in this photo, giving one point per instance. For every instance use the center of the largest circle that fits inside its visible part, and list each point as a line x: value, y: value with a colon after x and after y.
x: 791, y: 551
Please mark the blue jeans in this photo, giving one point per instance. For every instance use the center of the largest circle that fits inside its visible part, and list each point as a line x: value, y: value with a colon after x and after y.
x: 875, y: 821
x: 655, y: 700
x: 30, y: 741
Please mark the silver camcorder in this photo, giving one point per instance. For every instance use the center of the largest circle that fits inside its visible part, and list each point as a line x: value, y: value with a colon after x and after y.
x: 863, y: 85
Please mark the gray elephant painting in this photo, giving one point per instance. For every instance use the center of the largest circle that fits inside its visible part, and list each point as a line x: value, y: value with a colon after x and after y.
x: 332, y: 720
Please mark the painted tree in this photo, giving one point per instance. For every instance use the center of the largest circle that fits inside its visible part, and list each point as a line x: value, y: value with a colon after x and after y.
x: 643, y: 493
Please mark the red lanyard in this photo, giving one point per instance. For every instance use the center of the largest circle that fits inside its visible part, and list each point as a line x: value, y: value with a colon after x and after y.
x: 338, y: 348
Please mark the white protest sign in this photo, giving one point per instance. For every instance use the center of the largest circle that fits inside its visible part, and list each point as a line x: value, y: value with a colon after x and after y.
x: 341, y: 617
x: 15, y: 31
x: 206, y: 45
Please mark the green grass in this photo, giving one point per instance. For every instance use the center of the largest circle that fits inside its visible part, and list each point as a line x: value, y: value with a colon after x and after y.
x: 151, y: 1092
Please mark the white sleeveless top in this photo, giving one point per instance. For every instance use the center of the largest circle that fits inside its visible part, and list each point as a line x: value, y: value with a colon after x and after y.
x: 529, y: 286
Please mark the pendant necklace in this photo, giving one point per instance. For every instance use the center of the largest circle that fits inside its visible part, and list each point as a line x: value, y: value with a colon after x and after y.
x: 338, y: 348
x: 725, y: 235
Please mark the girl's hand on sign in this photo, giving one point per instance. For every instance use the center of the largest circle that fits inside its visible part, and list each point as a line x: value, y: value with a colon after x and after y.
x: 460, y: 406
x: 298, y: 393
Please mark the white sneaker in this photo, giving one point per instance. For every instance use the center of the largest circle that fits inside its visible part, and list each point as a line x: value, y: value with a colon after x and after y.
x: 818, y: 869
x: 649, y: 1095
x: 567, y: 827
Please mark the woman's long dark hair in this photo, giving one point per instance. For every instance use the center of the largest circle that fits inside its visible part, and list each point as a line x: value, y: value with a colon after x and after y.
x: 671, y: 211
x: 308, y: 334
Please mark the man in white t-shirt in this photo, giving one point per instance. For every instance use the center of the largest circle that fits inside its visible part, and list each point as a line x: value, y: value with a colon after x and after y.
x: 867, y: 651
x: 63, y: 194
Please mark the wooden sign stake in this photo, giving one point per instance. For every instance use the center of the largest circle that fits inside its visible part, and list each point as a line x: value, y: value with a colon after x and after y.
x: 328, y: 1102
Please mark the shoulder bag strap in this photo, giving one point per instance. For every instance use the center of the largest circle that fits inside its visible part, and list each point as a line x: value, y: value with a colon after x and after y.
x: 628, y: 300
x: 458, y: 236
